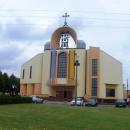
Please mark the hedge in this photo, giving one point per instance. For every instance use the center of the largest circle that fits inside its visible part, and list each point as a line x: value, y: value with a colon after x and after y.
x: 14, y: 99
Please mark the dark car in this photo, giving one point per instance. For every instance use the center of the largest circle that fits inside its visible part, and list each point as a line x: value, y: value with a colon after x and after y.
x: 91, y: 102
x: 120, y: 103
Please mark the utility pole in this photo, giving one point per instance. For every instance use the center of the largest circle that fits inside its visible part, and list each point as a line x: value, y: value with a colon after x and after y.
x: 76, y: 64
x: 127, y: 88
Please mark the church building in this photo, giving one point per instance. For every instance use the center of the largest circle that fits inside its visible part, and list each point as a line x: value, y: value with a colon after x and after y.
x: 62, y: 72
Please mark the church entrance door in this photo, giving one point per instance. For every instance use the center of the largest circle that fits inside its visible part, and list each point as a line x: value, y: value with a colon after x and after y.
x: 64, y: 93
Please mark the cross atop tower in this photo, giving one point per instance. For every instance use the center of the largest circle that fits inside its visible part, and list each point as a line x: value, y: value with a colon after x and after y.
x: 65, y: 16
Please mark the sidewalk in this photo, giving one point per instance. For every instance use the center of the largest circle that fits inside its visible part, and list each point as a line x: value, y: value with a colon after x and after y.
x: 57, y: 102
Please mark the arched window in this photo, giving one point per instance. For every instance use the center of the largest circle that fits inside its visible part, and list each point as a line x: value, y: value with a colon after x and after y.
x: 62, y: 65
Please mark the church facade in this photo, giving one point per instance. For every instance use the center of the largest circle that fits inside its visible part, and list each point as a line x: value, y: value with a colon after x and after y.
x: 61, y: 72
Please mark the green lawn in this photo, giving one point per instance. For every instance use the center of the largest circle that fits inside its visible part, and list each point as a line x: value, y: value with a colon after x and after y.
x: 61, y: 117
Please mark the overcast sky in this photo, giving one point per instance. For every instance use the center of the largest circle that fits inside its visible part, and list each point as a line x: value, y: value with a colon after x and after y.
x: 26, y: 25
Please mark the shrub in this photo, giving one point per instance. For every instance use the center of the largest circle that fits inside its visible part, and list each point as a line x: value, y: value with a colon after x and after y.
x: 14, y: 99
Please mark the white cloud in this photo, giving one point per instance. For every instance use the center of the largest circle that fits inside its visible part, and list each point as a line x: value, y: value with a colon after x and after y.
x: 102, y: 23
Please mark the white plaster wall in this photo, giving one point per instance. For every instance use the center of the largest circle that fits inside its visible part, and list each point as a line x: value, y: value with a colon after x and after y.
x: 36, y: 63
x: 46, y: 90
x: 110, y: 73
x: 81, y: 53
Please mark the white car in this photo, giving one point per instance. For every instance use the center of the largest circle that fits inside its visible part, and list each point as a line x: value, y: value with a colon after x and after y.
x: 36, y: 99
x: 77, y: 101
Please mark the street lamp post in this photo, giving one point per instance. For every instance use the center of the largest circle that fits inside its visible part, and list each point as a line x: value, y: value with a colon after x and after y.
x: 127, y: 88
x: 76, y: 64
x: 13, y: 90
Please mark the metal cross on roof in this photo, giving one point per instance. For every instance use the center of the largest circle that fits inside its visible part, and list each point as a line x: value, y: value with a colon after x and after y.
x: 65, y: 16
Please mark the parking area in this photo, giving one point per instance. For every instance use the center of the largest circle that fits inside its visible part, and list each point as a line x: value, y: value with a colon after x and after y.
x: 68, y: 103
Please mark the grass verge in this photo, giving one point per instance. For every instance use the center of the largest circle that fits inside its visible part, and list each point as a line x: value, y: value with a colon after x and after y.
x: 62, y: 117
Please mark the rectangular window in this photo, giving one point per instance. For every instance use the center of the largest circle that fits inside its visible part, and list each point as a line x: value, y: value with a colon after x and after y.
x: 110, y: 92
x: 94, y: 67
x: 23, y: 73
x: 94, y: 87
x: 30, y: 76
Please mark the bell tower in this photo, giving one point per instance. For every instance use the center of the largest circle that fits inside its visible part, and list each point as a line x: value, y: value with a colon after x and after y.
x: 60, y: 38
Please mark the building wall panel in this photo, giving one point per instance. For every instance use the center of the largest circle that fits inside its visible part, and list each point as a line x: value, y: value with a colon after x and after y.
x: 110, y: 73
x: 23, y: 89
x: 81, y: 53
x: 37, y: 89
x: 30, y: 89
x: 71, y: 64
x: 46, y: 89
x: 36, y: 63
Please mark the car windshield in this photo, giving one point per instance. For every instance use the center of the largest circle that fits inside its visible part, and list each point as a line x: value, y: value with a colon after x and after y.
x: 120, y: 100
x: 91, y: 100
x: 78, y: 99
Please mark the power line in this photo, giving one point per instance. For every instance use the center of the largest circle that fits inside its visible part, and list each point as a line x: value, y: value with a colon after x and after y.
x: 54, y: 17
x: 59, y: 11
x: 46, y: 16
x: 54, y: 26
x: 84, y: 18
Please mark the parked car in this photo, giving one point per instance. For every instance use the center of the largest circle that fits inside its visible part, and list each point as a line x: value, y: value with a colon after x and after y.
x: 91, y: 102
x: 37, y: 99
x: 77, y: 101
x: 120, y: 103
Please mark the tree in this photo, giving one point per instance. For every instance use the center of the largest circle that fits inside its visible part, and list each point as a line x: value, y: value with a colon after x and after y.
x: 1, y: 82
x: 14, y: 83
x: 10, y: 84
x: 6, y: 83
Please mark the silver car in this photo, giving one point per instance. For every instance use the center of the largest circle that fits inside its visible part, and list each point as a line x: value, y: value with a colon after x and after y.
x: 36, y: 99
x: 77, y: 101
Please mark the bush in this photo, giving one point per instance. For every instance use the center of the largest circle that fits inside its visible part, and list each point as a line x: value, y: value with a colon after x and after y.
x: 14, y: 99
